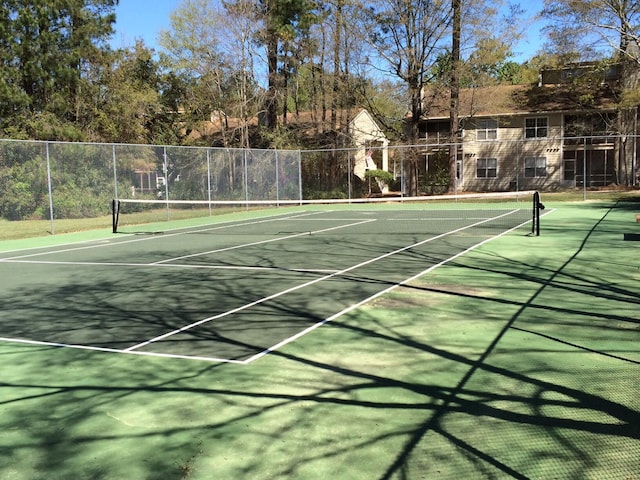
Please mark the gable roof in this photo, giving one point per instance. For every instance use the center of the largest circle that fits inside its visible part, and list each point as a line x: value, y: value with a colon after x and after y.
x: 364, y: 125
x: 358, y: 123
x: 304, y: 119
x: 499, y: 100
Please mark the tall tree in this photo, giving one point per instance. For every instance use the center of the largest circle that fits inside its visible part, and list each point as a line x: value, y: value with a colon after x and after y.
x: 46, y: 45
x: 12, y: 96
x: 337, y: 60
x: 456, y: 8
x: 338, y: 29
x: 191, y: 49
x: 407, y: 36
x: 128, y: 106
x: 241, y: 27
x: 286, y: 24
x: 594, y: 29
x: 218, y: 71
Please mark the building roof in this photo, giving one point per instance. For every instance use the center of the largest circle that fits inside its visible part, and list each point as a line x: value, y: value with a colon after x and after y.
x: 500, y: 100
x: 305, y: 119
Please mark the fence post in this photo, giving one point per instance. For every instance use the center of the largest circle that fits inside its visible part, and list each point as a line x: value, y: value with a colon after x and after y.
x: 49, y: 182
x: 209, y: 178
x: 115, y: 172
x: 277, y: 180
x: 246, y: 179
x: 165, y: 167
x: 300, y: 176
x: 349, y: 174
x: 584, y: 168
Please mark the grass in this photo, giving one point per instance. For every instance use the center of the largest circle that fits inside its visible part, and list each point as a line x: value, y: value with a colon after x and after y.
x: 12, y: 230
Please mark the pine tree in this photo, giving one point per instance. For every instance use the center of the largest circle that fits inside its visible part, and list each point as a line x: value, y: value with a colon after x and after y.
x: 45, y: 47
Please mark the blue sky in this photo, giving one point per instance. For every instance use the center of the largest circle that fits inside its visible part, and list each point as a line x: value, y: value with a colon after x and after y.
x: 141, y: 19
x: 145, y: 18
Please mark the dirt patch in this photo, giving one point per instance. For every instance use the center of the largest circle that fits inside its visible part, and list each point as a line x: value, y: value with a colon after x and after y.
x: 427, y: 295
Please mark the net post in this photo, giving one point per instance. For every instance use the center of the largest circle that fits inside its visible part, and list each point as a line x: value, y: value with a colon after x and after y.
x: 115, y: 214
x: 537, y: 206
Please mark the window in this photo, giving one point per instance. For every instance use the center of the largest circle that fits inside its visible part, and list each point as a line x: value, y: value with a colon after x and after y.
x: 487, y: 168
x: 569, y: 166
x: 535, y: 167
x: 487, y: 129
x: 437, y: 131
x: 535, y: 127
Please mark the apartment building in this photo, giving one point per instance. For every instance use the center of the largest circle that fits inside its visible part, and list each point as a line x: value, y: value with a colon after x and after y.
x: 561, y: 133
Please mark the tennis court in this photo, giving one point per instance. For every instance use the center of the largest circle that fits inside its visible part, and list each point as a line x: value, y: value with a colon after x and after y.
x: 234, y: 290
x: 453, y: 344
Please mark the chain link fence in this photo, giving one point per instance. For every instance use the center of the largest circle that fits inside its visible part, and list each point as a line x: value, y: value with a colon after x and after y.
x: 545, y: 164
x: 57, y: 180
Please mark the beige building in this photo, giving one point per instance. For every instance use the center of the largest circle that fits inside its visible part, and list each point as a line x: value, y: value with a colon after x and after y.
x: 371, y: 143
x: 548, y: 136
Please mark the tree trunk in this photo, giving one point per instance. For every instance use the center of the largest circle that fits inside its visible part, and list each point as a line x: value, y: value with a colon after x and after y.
x: 271, y: 102
x: 411, y: 160
x: 455, y: 95
x: 337, y: 39
x: 627, y: 120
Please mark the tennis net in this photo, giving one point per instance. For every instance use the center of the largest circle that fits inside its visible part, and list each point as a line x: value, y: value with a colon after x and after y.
x: 498, y: 211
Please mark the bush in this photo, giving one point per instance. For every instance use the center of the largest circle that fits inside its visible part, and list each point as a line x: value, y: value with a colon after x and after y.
x: 17, y: 201
x: 382, y: 178
x: 71, y: 201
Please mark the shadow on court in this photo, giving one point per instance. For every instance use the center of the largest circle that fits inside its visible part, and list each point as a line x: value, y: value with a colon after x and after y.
x: 505, y: 364
x: 230, y: 305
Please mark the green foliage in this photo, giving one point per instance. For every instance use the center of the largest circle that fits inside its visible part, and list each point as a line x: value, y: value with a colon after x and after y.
x: 629, y: 99
x: 74, y: 201
x: 436, y: 179
x: 129, y: 108
x: 17, y: 201
x: 48, y: 126
x: 484, y: 67
x: 23, y: 184
x: 44, y: 46
x: 377, y: 180
x: 336, y: 194
x: 379, y: 175
x: 510, y: 73
x: 82, y: 180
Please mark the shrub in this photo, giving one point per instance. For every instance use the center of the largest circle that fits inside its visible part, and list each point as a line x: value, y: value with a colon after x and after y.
x: 381, y: 177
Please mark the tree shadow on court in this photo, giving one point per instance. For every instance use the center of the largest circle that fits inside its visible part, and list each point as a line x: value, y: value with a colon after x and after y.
x: 426, y: 408
x: 402, y: 388
x: 420, y: 412
x: 577, y: 409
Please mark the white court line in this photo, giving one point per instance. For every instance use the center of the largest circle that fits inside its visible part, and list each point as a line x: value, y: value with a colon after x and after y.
x: 115, y: 350
x: 304, y: 285
x: 378, y: 294
x: 261, y: 242
x: 64, y: 244
x: 172, y: 265
x: 148, y: 238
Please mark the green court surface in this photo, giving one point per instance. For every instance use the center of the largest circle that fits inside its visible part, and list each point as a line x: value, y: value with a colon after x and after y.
x: 231, y: 290
x: 352, y: 343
